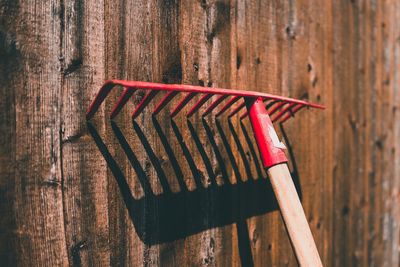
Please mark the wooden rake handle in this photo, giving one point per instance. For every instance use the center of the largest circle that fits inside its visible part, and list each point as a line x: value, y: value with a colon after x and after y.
x: 293, y: 216
x: 274, y: 160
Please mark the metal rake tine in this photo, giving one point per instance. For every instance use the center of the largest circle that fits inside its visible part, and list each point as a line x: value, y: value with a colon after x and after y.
x: 182, y: 103
x: 214, y: 104
x: 291, y: 114
x: 167, y: 98
x: 244, y: 115
x: 232, y: 101
x: 198, y: 104
x: 276, y: 108
x: 270, y: 104
x: 145, y: 101
x: 123, y: 99
x: 282, y: 112
x: 237, y: 109
x: 101, y: 95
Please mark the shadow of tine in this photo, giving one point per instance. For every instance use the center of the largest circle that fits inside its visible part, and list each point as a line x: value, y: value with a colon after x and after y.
x: 112, y: 164
x: 203, y: 154
x: 246, y: 257
x: 141, y: 174
x: 192, y: 165
x: 153, y: 158
x: 229, y: 151
x: 244, y: 246
x: 253, y: 152
x: 171, y: 154
x: 217, y: 153
x: 241, y: 150
x: 167, y: 217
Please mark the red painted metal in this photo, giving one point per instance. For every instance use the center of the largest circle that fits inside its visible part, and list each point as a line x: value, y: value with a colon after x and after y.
x: 236, y: 110
x: 183, y: 103
x: 232, y: 101
x: 276, y: 107
x: 283, y: 112
x: 198, y: 105
x: 291, y: 114
x: 126, y: 94
x: 167, y: 98
x: 182, y: 88
x: 271, y: 149
x: 145, y: 101
x: 214, y: 104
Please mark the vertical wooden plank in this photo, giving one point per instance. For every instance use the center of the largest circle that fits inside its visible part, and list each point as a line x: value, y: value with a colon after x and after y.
x: 343, y: 119
x: 309, y: 76
x: 219, y: 49
x: 85, y: 183
x: 134, y: 53
x: 33, y: 38
x: 322, y: 78
x: 382, y: 58
x: 199, y: 28
x: 258, y: 63
x: 123, y: 240
x: 371, y: 66
x: 10, y: 75
x: 391, y: 59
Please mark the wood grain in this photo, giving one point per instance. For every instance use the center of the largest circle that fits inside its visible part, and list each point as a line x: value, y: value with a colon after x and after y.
x: 61, y: 201
x: 293, y: 216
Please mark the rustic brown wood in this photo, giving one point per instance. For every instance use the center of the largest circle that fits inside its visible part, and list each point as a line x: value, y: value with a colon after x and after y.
x: 60, y: 192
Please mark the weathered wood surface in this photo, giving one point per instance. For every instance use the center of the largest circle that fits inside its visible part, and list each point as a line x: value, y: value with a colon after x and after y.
x: 60, y: 180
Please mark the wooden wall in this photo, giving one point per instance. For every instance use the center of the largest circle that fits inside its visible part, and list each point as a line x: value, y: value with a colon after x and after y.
x: 192, y: 193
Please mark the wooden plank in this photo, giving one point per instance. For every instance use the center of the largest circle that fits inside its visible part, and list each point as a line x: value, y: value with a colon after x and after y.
x: 9, y: 76
x: 85, y: 181
x: 33, y: 40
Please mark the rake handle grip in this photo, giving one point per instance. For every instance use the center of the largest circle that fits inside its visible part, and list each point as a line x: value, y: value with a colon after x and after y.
x: 293, y: 216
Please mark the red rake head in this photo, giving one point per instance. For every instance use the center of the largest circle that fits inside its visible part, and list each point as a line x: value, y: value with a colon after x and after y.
x: 279, y: 108
x: 263, y: 109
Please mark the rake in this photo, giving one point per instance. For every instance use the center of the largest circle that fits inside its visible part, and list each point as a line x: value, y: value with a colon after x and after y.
x: 263, y: 110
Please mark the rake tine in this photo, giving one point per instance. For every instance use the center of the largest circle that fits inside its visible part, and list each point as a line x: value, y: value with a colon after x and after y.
x: 145, y: 101
x: 214, y: 104
x: 282, y: 112
x: 167, y: 98
x: 123, y: 99
x: 292, y: 112
x: 244, y: 115
x: 270, y: 104
x: 232, y: 101
x: 276, y: 108
x: 198, y: 105
x: 181, y: 104
x: 236, y: 110
x: 101, y: 95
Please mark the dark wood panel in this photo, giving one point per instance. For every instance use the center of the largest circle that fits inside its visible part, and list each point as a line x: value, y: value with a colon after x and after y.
x: 191, y: 193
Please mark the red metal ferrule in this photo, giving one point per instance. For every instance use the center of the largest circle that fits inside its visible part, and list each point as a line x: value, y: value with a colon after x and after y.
x: 271, y: 148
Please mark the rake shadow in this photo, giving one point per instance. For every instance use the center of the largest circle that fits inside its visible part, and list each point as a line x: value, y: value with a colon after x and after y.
x: 171, y: 216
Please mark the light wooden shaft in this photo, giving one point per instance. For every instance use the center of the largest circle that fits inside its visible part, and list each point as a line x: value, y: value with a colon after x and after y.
x: 293, y: 216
